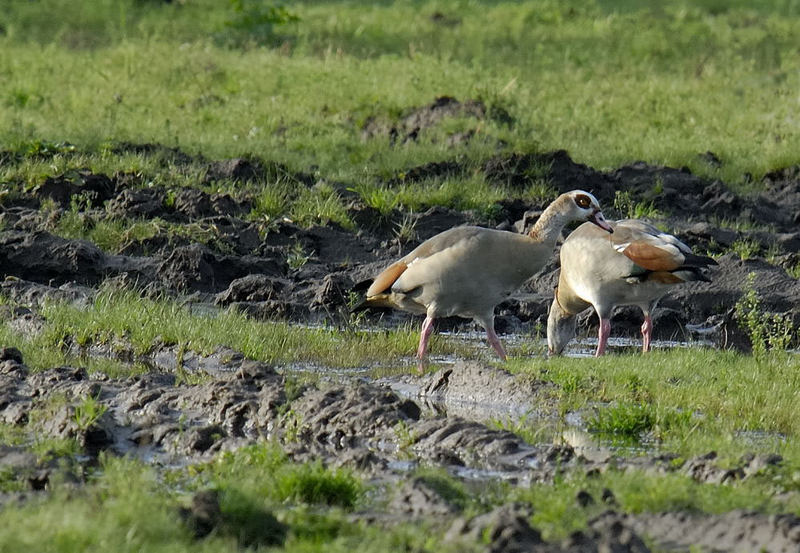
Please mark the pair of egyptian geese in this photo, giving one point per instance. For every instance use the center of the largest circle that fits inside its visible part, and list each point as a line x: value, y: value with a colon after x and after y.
x: 467, y: 271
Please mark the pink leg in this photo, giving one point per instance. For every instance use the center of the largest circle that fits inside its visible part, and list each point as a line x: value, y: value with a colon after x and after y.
x: 496, y: 344
x: 647, y: 333
x: 427, y: 329
x: 602, y: 337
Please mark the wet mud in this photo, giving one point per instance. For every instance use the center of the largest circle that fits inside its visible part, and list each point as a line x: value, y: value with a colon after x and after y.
x: 382, y: 428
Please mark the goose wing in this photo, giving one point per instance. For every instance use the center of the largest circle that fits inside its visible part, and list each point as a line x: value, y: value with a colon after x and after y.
x: 653, y: 249
x: 437, y: 247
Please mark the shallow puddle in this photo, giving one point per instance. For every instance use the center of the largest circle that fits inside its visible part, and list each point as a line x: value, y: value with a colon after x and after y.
x: 537, y: 427
x: 587, y: 346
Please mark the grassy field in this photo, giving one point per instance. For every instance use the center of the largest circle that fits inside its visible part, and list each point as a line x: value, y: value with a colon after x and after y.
x: 299, y: 87
x: 609, y: 83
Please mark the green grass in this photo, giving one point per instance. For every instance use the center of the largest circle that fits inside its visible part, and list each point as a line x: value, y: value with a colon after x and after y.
x: 746, y: 249
x: 465, y: 193
x: 609, y: 82
x: 726, y: 391
x: 626, y: 419
x: 123, y: 316
x: 267, y: 473
x: 41, y: 352
x: 113, y: 234
x: 126, y: 507
x: 627, y: 208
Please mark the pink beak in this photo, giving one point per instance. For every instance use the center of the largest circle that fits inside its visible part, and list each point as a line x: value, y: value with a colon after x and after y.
x: 598, y: 219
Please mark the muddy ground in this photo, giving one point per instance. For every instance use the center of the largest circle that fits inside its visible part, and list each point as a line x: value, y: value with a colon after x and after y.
x: 354, y: 423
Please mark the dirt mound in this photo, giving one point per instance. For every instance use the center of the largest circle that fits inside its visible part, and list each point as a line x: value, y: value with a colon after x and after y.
x: 409, y: 126
x: 477, y: 385
x: 434, y: 169
x: 196, y: 268
x: 558, y: 168
x: 783, y: 188
x: 418, y: 499
x: 44, y: 258
x: 507, y: 530
x: 674, y: 192
x: 143, y: 203
x: 95, y: 188
x: 735, y: 532
x: 196, y: 204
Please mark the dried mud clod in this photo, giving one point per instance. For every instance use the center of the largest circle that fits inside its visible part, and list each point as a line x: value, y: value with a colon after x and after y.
x: 415, y: 122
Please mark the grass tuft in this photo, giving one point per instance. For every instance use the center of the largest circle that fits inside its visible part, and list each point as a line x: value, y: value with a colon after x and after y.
x: 625, y: 419
x: 266, y: 472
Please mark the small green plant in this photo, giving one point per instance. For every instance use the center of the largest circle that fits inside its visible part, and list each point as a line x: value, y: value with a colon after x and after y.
x: 10, y: 481
x: 658, y: 186
x: 271, y: 201
x: 623, y: 419
x: 636, y: 388
x: 74, y: 222
x: 292, y: 423
x: 540, y: 191
x: 381, y: 198
x: 246, y: 519
x: 320, y: 205
x: 740, y: 225
x: 312, y: 483
x: 88, y: 412
x: 569, y: 382
x: 406, y: 438
x: 169, y: 198
x: 406, y: 230
x: 767, y: 331
x: 257, y: 18
x: 746, y: 249
x: 293, y: 387
x: 44, y: 148
x: 297, y: 256
x: 630, y: 209
x: 532, y: 433
x: 448, y: 487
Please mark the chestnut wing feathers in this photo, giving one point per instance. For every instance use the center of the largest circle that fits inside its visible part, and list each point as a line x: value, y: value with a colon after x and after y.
x: 654, y: 250
x: 653, y: 257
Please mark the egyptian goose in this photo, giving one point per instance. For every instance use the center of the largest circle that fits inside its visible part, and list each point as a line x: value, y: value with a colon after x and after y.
x: 633, y: 266
x: 467, y: 270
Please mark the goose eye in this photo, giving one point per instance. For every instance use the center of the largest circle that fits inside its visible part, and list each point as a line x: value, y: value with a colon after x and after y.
x: 583, y: 201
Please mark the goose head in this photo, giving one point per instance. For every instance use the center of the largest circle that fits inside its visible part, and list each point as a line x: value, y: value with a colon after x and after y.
x: 582, y: 206
x: 560, y: 327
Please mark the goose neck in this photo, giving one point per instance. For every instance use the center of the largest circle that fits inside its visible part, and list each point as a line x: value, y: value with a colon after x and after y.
x: 548, y: 228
